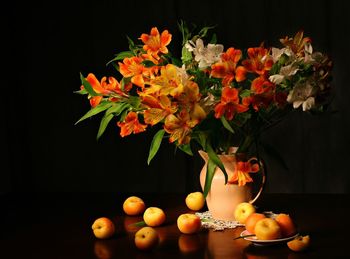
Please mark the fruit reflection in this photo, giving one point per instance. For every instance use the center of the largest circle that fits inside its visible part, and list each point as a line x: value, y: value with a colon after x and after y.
x: 130, y: 225
x: 103, y: 249
x: 189, y: 243
x: 222, y: 245
x: 261, y: 252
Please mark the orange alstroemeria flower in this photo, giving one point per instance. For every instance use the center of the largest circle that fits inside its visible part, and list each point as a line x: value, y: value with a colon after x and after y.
x: 104, y: 88
x: 259, y: 101
x: 132, y: 67
x: 190, y: 98
x: 168, y: 83
x: 241, y: 174
x: 95, y: 100
x: 99, y: 87
x: 259, y: 61
x: 262, y: 85
x: 297, y: 43
x: 130, y: 125
x: 263, y: 93
x: 227, y: 69
x: 179, y: 127
x: 160, y: 108
x: 229, y: 104
x: 156, y: 43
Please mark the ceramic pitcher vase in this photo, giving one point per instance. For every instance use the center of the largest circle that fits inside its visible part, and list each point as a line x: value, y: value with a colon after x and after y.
x: 222, y: 198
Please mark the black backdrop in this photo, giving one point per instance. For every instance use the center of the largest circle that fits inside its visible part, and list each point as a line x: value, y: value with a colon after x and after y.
x: 47, y: 44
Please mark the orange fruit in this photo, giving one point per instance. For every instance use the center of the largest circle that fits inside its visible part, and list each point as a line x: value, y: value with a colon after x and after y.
x: 252, y: 220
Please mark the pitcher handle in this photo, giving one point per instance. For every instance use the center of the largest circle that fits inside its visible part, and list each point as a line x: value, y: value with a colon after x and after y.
x: 263, y: 179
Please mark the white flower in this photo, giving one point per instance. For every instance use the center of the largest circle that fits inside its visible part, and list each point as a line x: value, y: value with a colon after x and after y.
x: 302, y: 94
x: 277, y: 53
x: 285, y: 71
x: 190, y: 45
x: 276, y: 79
x: 209, y: 102
x: 308, y: 53
x: 181, y: 72
x: 289, y: 70
x: 205, y: 56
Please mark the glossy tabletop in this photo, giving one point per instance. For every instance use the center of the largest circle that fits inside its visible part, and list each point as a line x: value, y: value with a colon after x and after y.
x: 58, y: 225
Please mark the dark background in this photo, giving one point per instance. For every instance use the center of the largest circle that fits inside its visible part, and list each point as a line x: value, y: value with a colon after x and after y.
x: 48, y: 43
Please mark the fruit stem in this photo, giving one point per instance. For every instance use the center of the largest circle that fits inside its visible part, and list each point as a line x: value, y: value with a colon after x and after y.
x: 252, y: 235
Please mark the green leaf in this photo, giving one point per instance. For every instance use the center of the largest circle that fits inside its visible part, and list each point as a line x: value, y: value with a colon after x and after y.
x: 184, y: 31
x: 123, y: 115
x: 186, y: 56
x: 226, y: 124
x: 148, y: 63
x: 245, y: 93
x: 186, y: 148
x: 87, y: 86
x: 124, y: 81
x: 132, y: 46
x: 124, y: 54
x: 213, y: 39
x: 131, y: 43
x: 117, y: 108
x: 116, y: 66
x: 121, y: 56
x: 216, y: 160
x: 134, y: 101
x: 138, y: 224
x: 157, y: 140
x: 176, y: 61
x: 209, y: 177
x: 204, y: 31
x: 99, y: 108
x: 202, y: 139
x: 103, y: 125
x: 82, y: 91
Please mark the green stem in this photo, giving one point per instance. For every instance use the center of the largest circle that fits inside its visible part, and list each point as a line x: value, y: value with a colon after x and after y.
x: 246, y: 144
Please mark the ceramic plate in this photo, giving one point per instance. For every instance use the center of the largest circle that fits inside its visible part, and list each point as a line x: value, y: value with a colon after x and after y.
x: 266, y: 242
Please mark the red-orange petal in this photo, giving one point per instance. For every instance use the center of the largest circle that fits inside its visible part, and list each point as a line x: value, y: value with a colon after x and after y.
x: 91, y: 78
x: 138, y: 80
x: 95, y: 100
x: 240, y: 74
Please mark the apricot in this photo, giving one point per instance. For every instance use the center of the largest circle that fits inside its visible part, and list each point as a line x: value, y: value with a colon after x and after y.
x: 154, y: 216
x: 252, y: 220
x: 286, y: 224
x: 243, y: 211
x: 267, y: 229
x: 299, y: 243
x: 133, y: 206
x: 103, y: 228
x: 195, y: 201
x: 189, y: 223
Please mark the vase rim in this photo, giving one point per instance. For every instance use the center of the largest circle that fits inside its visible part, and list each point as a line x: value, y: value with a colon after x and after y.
x: 231, y: 156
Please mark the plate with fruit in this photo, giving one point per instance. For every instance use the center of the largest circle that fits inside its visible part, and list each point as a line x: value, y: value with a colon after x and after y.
x: 265, y: 228
x: 246, y: 235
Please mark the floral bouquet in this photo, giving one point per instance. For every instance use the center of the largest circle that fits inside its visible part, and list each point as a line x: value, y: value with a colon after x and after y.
x: 210, y: 98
